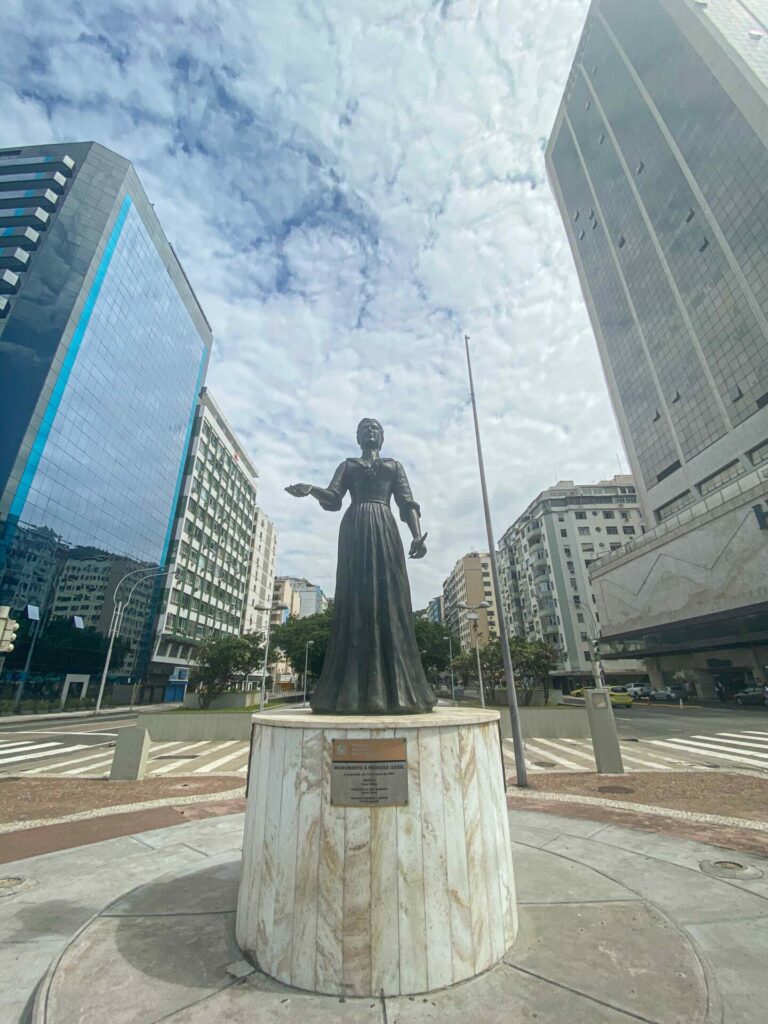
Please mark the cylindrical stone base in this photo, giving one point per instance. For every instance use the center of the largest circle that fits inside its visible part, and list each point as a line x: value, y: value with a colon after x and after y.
x: 362, y: 900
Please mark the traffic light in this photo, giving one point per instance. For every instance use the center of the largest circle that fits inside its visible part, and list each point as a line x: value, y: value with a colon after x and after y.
x: 8, y: 629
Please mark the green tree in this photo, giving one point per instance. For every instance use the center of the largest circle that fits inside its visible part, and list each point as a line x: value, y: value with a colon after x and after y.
x: 532, y: 661
x: 291, y: 638
x: 433, y: 647
x: 492, y: 664
x: 223, y: 662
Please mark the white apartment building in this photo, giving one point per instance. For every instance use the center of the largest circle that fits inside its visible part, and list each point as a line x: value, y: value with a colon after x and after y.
x: 215, y: 544
x: 544, y: 560
x: 300, y: 597
x: 261, y: 579
x: 470, y: 583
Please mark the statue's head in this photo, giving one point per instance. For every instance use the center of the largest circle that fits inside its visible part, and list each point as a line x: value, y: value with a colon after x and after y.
x: 370, y: 434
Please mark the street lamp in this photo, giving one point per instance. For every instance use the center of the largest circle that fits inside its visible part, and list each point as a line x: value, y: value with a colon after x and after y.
x: 450, y: 658
x: 308, y: 644
x: 509, y: 675
x: 274, y: 607
x: 475, y: 618
x: 118, y: 611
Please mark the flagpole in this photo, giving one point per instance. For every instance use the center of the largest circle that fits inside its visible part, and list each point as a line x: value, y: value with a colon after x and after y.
x: 509, y: 676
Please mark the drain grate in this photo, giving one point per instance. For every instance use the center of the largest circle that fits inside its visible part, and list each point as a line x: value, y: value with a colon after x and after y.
x: 10, y: 885
x: 545, y: 764
x: 615, y: 789
x: 175, y: 757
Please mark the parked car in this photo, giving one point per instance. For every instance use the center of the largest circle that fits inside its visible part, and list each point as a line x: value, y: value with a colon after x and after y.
x: 638, y: 690
x: 665, y: 693
x: 619, y: 695
x: 752, y: 695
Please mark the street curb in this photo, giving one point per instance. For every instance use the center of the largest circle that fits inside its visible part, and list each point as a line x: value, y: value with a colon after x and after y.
x: 102, y: 812
x: 55, y: 716
x: 664, y: 812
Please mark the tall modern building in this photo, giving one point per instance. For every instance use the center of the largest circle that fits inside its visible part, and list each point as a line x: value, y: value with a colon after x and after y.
x: 300, y: 597
x: 103, y: 350
x: 544, y: 562
x: 261, y: 580
x: 470, y: 584
x: 218, y: 553
x: 659, y: 163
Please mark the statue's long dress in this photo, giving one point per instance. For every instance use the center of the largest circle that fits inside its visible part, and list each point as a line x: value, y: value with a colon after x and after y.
x: 372, y: 664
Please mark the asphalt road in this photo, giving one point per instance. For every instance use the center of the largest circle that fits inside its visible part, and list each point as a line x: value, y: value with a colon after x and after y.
x: 664, y: 720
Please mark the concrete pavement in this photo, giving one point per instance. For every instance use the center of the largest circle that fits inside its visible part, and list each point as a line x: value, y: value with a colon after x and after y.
x: 617, y: 926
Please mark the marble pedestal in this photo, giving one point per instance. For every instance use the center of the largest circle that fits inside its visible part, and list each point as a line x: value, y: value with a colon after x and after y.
x: 360, y: 901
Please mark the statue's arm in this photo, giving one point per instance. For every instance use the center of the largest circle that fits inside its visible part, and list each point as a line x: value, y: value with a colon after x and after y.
x: 329, y: 497
x: 410, y: 513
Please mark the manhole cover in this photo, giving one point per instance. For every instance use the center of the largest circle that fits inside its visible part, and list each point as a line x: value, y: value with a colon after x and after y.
x: 615, y: 789
x: 729, y: 869
x: 545, y: 764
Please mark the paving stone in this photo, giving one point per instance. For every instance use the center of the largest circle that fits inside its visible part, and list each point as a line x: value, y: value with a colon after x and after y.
x: 730, y: 947
x: 137, y: 970
x: 502, y: 996
x: 624, y: 954
x: 542, y: 877
x: 204, y: 890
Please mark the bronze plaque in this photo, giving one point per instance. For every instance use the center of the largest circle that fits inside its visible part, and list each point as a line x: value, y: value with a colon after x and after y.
x: 369, y: 773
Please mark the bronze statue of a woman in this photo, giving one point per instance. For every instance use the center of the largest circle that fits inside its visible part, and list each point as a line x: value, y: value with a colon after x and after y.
x: 372, y: 664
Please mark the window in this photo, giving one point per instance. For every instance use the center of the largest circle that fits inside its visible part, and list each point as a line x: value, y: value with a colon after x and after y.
x: 628, y: 529
x: 579, y: 616
x: 612, y: 530
x: 583, y: 531
x: 574, y: 585
x: 584, y: 636
x: 570, y: 567
x: 567, y: 552
x: 587, y: 656
x: 561, y: 519
x: 615, y: 547
x: 581, y: 515
x: 563, y: 533
x: 608, y: 515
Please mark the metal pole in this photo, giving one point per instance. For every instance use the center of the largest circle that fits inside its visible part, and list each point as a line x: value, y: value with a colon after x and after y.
x: 264, y: 666
x: 112, y: 632
x: 479, y: 670
x: 27, y: 663
x: 450, y: 659
x: 306, y: 656
x: 509, y: 676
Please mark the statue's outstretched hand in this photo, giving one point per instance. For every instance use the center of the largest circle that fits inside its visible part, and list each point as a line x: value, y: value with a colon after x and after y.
x: 299, y: 490
x: 418, y: 547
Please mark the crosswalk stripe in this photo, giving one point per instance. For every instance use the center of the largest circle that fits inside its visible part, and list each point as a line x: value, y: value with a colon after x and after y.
x: 730, y: 738
x: 190, y: 746
x: 703, y: 750
x: 39, y: 751
x: 50, y: 768
x: 709, y: 743
x: 6, y: 747
x: 89, y: 767
x: 571, y: 749
x: 164, y: 769
x: 548, y: 755
x: 222, y: 760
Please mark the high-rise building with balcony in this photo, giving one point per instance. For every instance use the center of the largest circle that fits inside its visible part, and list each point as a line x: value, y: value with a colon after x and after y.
x: 544, y: 562
x: 470, y: 584
x: 659, y: 163
x: 103, y: 350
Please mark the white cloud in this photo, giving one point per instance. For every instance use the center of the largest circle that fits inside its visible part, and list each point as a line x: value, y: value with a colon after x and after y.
x: 350, y: 187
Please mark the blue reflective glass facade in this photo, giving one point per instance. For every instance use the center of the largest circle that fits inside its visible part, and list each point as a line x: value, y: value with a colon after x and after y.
x: 102, y: 356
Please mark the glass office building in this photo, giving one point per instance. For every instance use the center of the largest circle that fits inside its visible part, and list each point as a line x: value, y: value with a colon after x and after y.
x: 103, y: 351
x: 659, y: 163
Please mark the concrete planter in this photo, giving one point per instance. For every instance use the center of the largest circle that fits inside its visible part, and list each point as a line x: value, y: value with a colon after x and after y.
x: 198, y: 725
x: 235, y: 699
x: 549, y: 723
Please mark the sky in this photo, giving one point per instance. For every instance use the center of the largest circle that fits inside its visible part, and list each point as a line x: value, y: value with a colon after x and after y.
x: 351, y: 187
